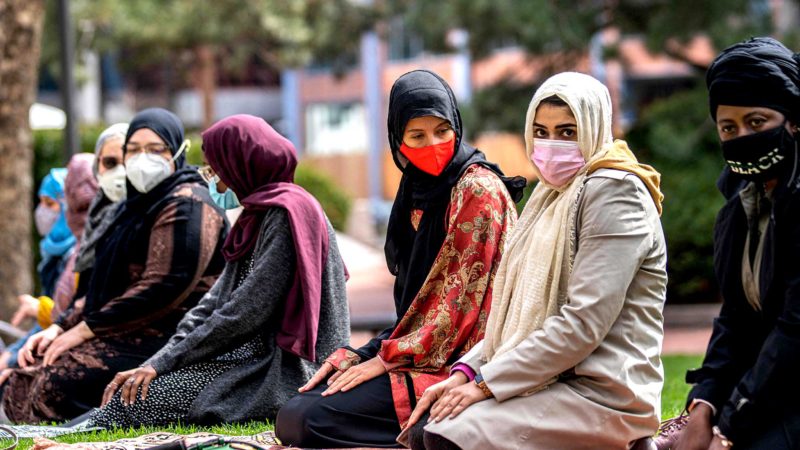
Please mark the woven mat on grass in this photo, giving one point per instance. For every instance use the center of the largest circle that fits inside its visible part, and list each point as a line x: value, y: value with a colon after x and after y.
x: 264, y: 440
x: 33, y: 431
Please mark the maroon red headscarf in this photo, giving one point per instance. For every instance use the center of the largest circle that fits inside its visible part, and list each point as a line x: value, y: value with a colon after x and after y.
x: 258, y: 164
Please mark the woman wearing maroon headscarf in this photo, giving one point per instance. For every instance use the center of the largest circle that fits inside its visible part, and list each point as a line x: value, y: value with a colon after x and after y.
x: 276, y: 312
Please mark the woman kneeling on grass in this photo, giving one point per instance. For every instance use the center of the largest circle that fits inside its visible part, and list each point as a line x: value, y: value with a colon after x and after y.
x: 445, y: 238
x: 571, y: 358
x: 276, y: 312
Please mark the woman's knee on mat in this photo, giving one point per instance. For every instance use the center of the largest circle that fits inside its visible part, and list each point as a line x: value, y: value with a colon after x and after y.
x: 417, y: 433
x: 296, y: 420
x: 438, y: 442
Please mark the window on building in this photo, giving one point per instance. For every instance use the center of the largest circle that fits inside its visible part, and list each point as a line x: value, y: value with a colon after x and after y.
x: 335, y: 128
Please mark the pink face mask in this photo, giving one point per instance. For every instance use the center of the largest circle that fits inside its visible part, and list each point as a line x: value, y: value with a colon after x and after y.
x: 557, y: 161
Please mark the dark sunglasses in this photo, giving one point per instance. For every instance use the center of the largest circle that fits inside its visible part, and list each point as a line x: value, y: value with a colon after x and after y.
x: 109, y: 162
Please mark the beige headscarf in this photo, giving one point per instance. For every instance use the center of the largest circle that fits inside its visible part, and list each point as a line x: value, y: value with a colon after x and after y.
x: 531, y: 281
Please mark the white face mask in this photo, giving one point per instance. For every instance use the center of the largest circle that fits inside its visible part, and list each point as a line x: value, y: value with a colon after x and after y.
x: 146, y: 170
x: 112, y: 182
x: 45, y: 218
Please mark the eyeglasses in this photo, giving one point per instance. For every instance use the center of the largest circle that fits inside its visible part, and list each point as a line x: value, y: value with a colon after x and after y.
x: 109, y: 162
x: 153, y: 148
x: 207, y: 173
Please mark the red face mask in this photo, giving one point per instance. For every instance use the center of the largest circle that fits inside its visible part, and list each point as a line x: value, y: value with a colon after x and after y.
x: 431, y: 159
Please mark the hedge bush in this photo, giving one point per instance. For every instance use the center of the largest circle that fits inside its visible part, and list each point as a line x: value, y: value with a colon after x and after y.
x: 677, y: 136
x: 334, y: 200
x: 48, y: 146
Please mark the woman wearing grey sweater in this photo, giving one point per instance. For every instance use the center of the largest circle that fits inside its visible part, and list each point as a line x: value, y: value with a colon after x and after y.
x: 275, y: 313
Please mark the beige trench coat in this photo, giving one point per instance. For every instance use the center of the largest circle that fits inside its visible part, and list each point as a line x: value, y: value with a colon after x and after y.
x: 610, y: 333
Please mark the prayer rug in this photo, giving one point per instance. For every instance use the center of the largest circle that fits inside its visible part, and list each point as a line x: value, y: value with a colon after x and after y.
x: 33, y: 431
x: 265, y: 440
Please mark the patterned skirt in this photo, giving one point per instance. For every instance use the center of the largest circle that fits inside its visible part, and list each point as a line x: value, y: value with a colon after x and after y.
x: 170, y: 396
x: 74, y: 383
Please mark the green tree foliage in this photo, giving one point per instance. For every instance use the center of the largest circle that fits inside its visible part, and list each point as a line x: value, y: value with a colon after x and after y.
x: 48, y: 146
x: 677, y: 136
x: 197, y: 39
x: 547, y: 26
x: 283, y: 33
x: 333, y: 199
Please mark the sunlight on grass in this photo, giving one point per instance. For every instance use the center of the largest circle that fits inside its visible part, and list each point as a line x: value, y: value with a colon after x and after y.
x: 673, y: 398
x: 672, y: 402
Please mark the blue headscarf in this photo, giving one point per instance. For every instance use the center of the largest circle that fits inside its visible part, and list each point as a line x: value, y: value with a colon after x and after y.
x: 60, y: 239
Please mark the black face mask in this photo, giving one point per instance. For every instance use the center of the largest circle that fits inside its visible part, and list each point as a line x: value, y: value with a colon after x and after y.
x: 759, y: 156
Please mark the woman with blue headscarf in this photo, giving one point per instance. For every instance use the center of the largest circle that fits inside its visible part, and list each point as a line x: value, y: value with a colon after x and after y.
x: 159, y: 256
x: 107, y: 172
x: 51, y: 222
x: 56, y: 247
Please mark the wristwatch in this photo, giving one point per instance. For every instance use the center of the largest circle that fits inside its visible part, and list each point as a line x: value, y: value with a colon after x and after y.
x: 727, y: 443
x: 483, y: 387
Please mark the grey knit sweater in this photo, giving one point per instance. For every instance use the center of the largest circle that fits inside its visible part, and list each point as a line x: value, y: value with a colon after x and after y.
x: 228, y: 317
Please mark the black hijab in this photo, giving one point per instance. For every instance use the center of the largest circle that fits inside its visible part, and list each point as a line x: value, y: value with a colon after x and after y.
x: 127, y: 238
x: 409, y: 253
x: 757, y: 72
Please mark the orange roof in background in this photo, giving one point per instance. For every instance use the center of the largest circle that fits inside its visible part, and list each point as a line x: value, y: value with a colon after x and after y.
x: 508, y: 151
x: 639, y: 62
x: 440, y: 64
x: 517, y: 65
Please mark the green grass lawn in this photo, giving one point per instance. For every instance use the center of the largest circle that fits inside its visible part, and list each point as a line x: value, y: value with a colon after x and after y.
x: 673, y: 398
x: 672, y: 402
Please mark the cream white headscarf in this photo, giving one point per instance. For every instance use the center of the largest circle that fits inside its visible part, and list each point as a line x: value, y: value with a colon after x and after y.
x: 531, y: 281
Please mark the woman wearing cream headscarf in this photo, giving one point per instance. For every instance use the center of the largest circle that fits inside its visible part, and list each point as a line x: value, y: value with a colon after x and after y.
x: 571, y: 357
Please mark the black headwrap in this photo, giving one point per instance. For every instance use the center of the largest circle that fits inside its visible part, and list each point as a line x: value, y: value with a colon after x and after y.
x: 127, y: 239
x: 409, y: 253
x: 163, y: 123
x: 758, y: 72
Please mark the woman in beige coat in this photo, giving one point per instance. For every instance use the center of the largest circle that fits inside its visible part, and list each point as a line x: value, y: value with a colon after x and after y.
x: 571, y: 357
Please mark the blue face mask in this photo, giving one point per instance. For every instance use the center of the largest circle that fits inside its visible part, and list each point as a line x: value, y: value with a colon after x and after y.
x: 225, y: 200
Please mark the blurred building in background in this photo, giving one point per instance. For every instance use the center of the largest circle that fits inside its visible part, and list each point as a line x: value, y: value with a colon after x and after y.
x: 332, y: 126
x: 325, y: 111
x: 652, y: 55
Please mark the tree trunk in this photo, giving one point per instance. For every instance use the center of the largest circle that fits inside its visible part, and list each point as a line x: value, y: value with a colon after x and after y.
x: 207, y: 81
x: 20, y: 36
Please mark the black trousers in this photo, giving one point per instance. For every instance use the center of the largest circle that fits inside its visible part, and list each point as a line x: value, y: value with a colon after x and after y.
x: 783, y: 433
x: 361, y: 417
x: 419, y: 439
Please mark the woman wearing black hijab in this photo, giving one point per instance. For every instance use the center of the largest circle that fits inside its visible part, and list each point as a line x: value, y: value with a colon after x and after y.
x: 445, y: 238
x: 746, y: 392
x: 158, y: 258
